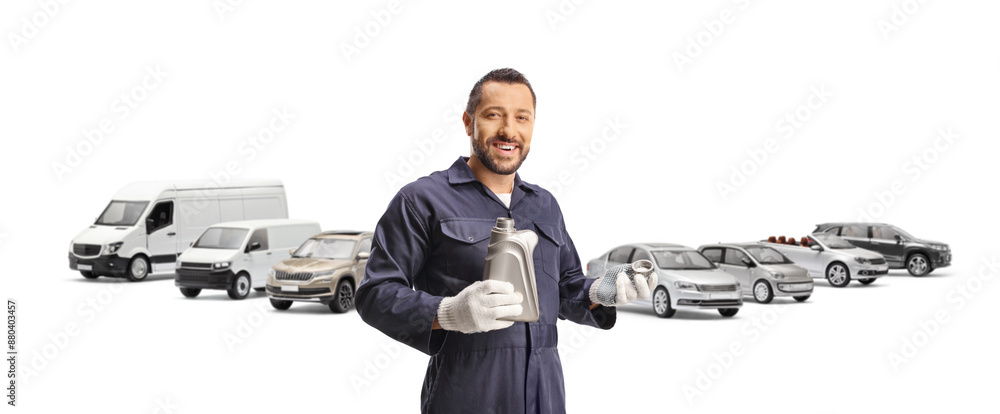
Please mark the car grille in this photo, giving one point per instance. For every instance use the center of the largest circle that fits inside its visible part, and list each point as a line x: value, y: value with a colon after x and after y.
x: 86, y: 249
x: 878, y: 261
x: 716, y: 288
x: 302, y: 291
x: 193, y: 265
x: 794, y: 287
x: 280, y: 275
x: 219, y: 279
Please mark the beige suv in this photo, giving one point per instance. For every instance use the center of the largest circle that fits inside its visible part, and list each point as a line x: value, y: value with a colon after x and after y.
x: 326, y: 269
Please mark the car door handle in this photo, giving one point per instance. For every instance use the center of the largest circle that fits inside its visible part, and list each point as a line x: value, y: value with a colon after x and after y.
x: 171, y: 234
x: 268, y: 253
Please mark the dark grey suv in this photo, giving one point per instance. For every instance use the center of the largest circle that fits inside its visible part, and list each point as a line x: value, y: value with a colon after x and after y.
x: 901, y: 250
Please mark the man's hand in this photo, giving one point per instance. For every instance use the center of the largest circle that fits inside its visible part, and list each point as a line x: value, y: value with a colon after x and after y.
x: 477, y: 307
x: 618, y: 290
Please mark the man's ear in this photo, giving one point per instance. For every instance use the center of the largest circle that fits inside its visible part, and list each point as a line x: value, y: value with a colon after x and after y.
x: 467, y: 120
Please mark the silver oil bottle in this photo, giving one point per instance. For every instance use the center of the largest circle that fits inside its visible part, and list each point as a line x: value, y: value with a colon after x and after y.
x: 509, y: 258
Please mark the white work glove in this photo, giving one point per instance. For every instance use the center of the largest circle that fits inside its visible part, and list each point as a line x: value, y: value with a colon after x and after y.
x: 621, y: 288
x: 477, y: 307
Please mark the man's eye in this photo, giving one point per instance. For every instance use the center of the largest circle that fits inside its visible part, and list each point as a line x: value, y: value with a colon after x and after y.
x: 493, y: 114
x: 524, y: 118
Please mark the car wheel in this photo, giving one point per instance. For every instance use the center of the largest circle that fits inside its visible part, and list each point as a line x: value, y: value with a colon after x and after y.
x: 802, y: 298
x: 343, y: 298
x: 281, y: 304
x: 728, y: 312
x: 918, y: 265
x: 762, y: 291
x: 867, y: 280
x: 240, y: 288
x: 838, y: 275
x: 138, y: 269
x: 661, y: 303
x: 190, y: 292
x: 88, y: 275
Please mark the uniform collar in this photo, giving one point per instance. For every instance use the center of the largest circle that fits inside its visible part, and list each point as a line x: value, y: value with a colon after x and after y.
x: 460, y: 173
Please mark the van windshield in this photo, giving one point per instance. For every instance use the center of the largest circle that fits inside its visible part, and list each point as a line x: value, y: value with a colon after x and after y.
x: 221, y: 238
x: 122, y: 213
x: 326, y: 249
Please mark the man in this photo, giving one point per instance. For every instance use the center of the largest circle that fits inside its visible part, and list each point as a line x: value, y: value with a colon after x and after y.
x: 422, y: 283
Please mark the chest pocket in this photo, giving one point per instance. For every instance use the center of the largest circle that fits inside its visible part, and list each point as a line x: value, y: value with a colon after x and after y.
x: 464, y: 246
x: 550, y: 241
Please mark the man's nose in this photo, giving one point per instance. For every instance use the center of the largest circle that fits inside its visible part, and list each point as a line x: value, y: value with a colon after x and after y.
x: 506, y: 128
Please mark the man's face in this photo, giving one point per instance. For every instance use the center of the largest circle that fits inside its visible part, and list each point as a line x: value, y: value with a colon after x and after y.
x: 501, y: 127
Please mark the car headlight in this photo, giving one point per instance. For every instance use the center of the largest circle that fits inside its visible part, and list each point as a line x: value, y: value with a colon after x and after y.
x: 862, y: 260
x: 940, y: 247
x: 326, y: 276
x: 221, y: 265
x: 685, y: 285
x: 113, y: 248
x: 777, y: 275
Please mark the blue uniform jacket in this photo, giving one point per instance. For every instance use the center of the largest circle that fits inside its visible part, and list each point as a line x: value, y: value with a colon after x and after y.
x: 431, y: 243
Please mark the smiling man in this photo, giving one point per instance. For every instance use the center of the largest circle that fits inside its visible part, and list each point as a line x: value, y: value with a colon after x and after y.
x: 423, y: 285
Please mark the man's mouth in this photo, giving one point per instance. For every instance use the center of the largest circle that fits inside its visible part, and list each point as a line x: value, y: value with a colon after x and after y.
x: 505, y: 148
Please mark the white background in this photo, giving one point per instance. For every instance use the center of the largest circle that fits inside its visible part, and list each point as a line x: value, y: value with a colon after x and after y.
x: 359, y: 118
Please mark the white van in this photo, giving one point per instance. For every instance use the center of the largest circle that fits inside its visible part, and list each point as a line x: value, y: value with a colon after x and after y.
x: 147, y: 224
x: 236, y: 256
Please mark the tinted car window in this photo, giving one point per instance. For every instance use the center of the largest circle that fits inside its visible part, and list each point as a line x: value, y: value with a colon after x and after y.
x: 735, y: 257
x: 162, y: 215
x: 833, y: 230
x: 884, y: 233
x: 620, y: 255
x: 714, y: 254
x: 259, y: 236
x: 859, y: 231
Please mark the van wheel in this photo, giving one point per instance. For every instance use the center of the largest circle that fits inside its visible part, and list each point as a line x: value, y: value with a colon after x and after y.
x: 661, y: 303
x: 866, y: 281
x: 240, y: 288
x: 190, y: 292
x: 343, y: 298
x: 762, y: 291
x: 138, y: 269
x: 728, y: 312
x: 88, y: 275
x: 802, y: 298
x: 281, y: 304
x: 838, y: 275
x: 918, y: 265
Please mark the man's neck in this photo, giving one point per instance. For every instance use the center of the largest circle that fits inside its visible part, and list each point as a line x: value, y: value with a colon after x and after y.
x: 497, y: 183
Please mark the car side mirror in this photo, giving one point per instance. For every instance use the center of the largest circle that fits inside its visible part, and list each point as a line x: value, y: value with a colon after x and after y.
x: 291, y: 252
x: 253, y: 246
x: 816, y: 247
x: 190, y: 244
x: 899, y: 239
x: 363, y: 256
x: 747, y: 262
x: 149, y: 225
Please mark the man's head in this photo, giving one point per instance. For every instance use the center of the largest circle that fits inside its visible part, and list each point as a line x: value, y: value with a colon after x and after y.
x: 499, y: 119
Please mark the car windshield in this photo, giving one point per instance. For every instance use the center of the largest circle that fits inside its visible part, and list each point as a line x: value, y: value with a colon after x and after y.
x: 221, y: 238
x: 681, y: 260
x: 833, y: 241
x: 902, y: 233
x: 767, y: 255
x: 326, y: 248
x: 122, y: 213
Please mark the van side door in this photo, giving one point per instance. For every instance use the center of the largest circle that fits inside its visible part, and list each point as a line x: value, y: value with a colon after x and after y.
x: 161, y: 236
x: 258, y: 257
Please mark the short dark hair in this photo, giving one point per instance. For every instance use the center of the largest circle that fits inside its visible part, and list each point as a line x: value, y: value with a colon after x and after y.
x: 505, y: 75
